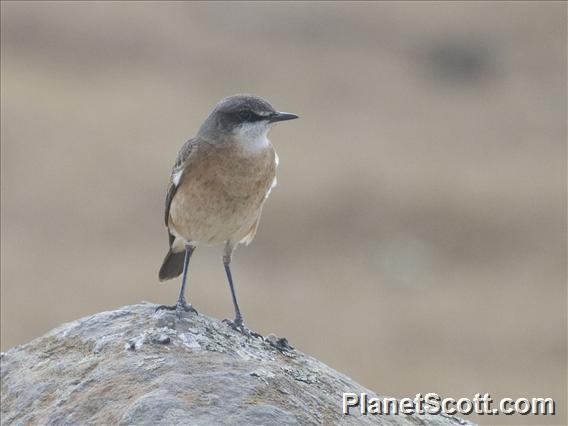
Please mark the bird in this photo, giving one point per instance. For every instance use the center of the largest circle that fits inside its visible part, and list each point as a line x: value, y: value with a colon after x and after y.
x: 218, y: 186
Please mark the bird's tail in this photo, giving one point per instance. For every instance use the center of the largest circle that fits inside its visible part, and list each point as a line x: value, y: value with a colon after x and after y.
x: 172, y: 266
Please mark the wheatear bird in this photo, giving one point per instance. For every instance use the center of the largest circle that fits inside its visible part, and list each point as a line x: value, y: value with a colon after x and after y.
x: 219, y: 183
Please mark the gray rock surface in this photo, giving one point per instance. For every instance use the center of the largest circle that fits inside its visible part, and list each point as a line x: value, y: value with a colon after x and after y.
x: 135, y: 366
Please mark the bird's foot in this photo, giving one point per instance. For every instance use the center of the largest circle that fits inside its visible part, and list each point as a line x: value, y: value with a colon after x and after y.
x: 238, y: 325
x: 180, y: 307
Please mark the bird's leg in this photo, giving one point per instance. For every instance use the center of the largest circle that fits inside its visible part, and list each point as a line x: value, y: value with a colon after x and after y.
x: 181, y: 305
x: 238, y: 323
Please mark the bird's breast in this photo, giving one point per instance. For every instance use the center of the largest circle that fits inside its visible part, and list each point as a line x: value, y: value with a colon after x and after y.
x: 237, y: 172
x: 221, y: 193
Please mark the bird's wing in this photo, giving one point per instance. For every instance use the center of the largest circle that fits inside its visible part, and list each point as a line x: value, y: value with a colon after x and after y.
x: 177, y: 172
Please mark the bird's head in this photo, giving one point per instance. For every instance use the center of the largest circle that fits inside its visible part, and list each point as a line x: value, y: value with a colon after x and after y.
x: 244, y: 117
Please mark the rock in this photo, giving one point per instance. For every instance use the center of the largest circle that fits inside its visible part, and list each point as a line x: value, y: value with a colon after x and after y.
x: 137, y: 366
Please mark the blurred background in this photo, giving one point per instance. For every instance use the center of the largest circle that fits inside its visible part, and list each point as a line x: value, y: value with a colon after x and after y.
x: 417, y: 238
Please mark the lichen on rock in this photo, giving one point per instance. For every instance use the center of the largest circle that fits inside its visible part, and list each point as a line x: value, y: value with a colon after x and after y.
x: 137, y: 366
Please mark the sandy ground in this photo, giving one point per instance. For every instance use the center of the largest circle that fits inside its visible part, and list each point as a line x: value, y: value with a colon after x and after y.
x: 417, y: 238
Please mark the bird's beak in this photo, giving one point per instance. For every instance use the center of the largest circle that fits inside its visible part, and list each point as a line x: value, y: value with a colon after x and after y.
x: 281, y: 116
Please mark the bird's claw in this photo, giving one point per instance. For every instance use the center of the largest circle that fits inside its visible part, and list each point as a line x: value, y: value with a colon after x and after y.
x: 239, y: 326
x: 180, y: 307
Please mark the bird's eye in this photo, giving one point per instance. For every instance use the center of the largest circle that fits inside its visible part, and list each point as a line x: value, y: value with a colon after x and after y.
x: 245, y: 115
